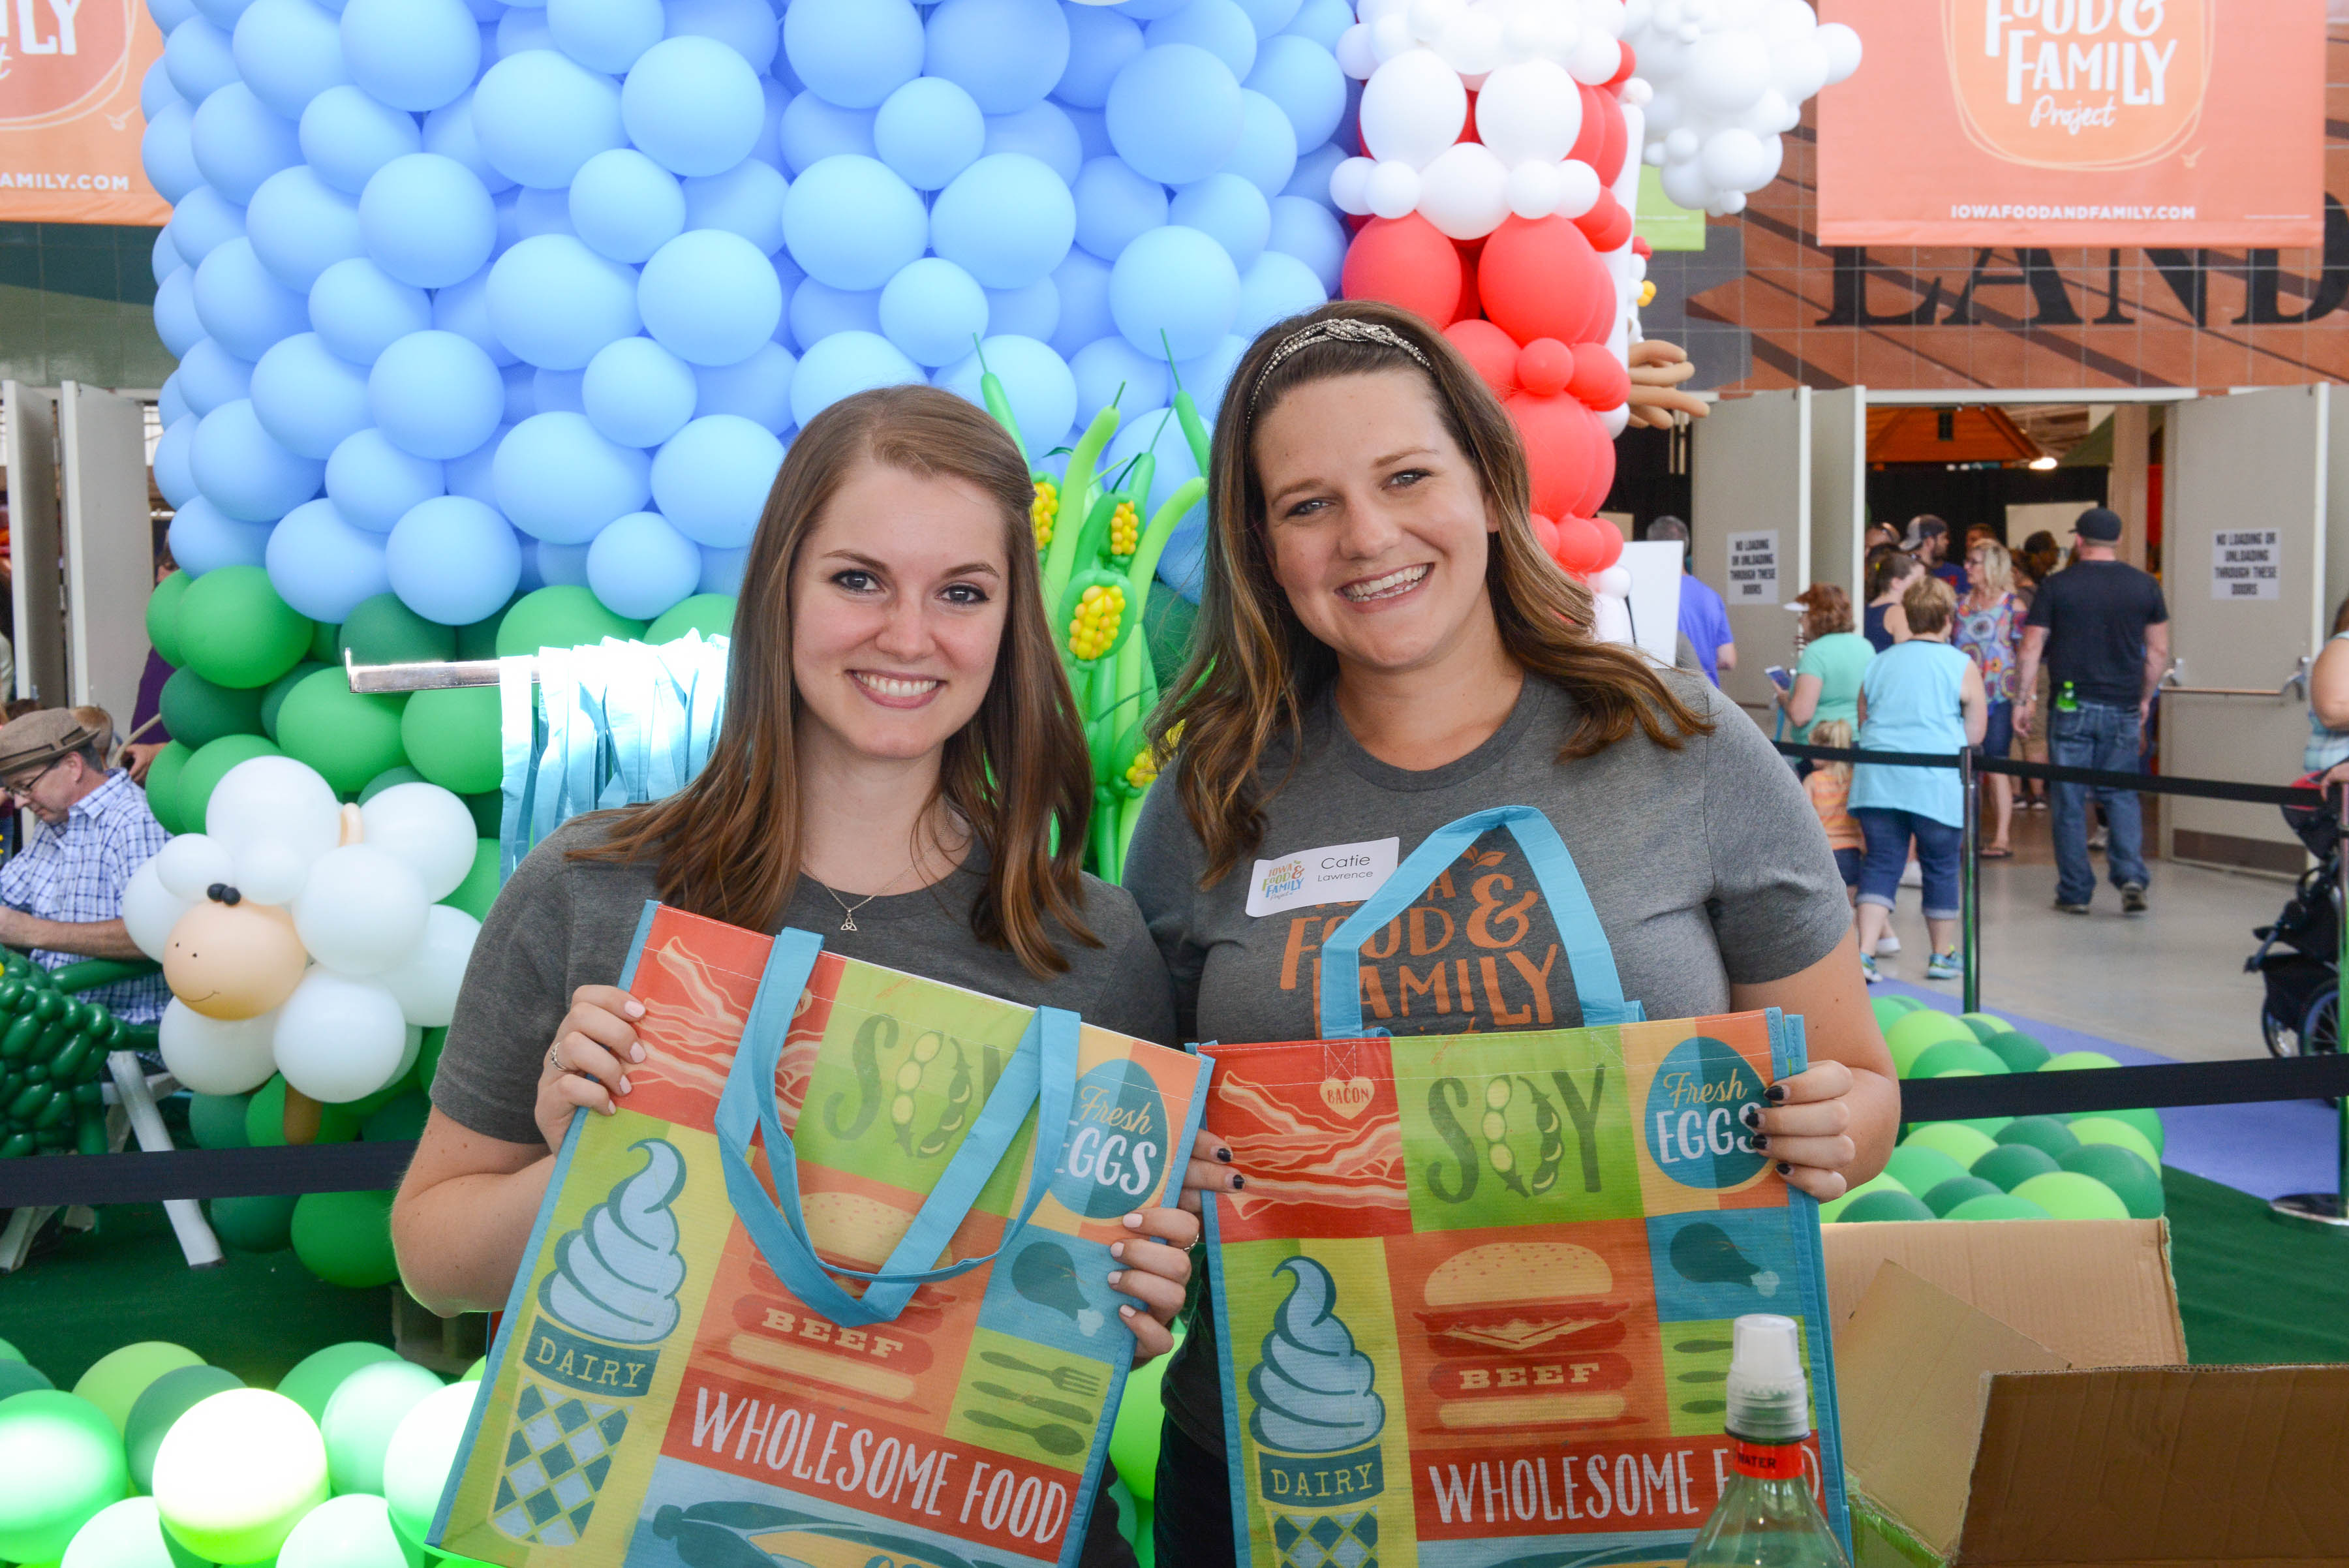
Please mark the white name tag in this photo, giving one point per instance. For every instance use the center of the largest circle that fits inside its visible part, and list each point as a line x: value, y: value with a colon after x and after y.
x: 1338, y: 874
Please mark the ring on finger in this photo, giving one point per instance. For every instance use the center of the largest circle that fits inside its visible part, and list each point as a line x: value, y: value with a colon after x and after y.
x: 554, y: 1058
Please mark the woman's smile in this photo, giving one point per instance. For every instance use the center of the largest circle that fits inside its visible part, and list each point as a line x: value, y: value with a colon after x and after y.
x: 1378, y: 591
x: 897, y: 691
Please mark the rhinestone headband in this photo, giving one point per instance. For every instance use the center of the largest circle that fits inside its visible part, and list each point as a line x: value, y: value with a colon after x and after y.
x: 1338, y: 330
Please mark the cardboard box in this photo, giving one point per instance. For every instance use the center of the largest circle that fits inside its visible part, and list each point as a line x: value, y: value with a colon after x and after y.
x: 2010, y: 1396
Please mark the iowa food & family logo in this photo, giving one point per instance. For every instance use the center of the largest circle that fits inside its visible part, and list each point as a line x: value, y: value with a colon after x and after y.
x: 2079, y: 84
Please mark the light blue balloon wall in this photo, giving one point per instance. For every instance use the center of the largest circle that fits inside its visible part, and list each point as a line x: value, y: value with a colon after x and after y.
x: 471, y: 296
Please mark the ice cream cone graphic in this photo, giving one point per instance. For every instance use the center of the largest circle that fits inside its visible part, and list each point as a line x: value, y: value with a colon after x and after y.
x: 588, y: 1353
x: 1316, y: 1427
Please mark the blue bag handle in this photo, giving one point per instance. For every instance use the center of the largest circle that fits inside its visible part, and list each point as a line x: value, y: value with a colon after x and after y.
x: 1043, y: 1072
x: 1588, y: 959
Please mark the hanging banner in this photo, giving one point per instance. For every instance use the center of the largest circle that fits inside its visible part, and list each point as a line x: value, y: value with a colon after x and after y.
x: 2077, y: 122
x: 69, y: 120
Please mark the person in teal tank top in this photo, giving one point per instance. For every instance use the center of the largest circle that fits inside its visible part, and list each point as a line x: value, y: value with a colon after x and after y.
x: 1826, y: 678
x: 1919, y: 696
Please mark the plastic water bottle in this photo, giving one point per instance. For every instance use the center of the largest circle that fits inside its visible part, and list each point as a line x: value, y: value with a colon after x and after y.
x: 1767, y: 1518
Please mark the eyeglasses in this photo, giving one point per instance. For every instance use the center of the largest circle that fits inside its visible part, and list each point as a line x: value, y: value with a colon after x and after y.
x: 25, y: 785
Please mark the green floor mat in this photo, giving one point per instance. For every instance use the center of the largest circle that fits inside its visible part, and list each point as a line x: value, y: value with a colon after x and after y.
x: 2252, y: 1287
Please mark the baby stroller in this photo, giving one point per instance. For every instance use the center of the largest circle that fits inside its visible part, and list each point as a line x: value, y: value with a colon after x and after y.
x: 2298, y: 955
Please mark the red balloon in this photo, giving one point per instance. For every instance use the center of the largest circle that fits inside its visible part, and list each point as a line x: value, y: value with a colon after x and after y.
x: 1625, y: 71
x: 1607, y: 223
x: 1545, y: 534
x: 1580, y: 546
x: 1598, y: 455
x: 1406, y: 262
x: 1489, y: 349
x: 1610, y: 544
x: 1592, y: 137
x: 1472, y: 299
x: 1599, y: 380
x: 1557, y: 434
x: 1545, y: 366
x: 1618, y: 136
x: 1540, y: 278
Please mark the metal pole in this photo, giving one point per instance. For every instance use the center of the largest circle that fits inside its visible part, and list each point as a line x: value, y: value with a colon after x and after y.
x: 1970, y: 890
x: 2331, y: 1208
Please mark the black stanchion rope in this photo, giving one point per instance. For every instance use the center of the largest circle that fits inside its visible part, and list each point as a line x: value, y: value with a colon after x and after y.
x: 2144, y: 783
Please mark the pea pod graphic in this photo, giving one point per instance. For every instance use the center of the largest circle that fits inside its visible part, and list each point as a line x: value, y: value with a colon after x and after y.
x: 1552, y: 1139
x: 908, y: 1079
x: 958, y: 1109
x: 875, y: 1035
x: 1495, y: 1128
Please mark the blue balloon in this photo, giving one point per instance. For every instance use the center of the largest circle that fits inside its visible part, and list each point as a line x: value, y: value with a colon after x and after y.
x: 1100, y: 43
x: 1082, y: 283
x: 289, y: 52
x: 749, y: 28
x: 322, y: 566
x: 1303, y: 79
x: 307, y: 399
x: 176, y: 321
x: 1175, y: 113
x: 1207, y: 376
x: 1218, y: 26
x: 174, y: 474
x: 1036, y: 382
x: 840, y: 365
x: 449, y: 131
x: 747, y: 200
x: 245, y: 471
x: 721, y: 570
x: 1270, y: 16
x: 201, y: 223
x: 759, y: 389
x: 1112, y: 371
x: 156, y: 92
x: 170, y: 403
x: 360, y: 310
x: 415, y: 55
x: 1043, y: 132
x: 203, y: 539
x: 850, y: 223
x: 1229, y: 210
x: 436, y: 394
x: 1266, y: 155
x: 1311, y: 180
x: 222, y: 13
x: 709, y: 297
x: 199, y: 59
x: 934, y: 310
x: 162, y: 259
x: 693, y: 105
x: 769, y: 148
x: 373, y: 483
x: 1312, y: 234
x: 169, y: 13
x: 637, y: 393
x: 521, y: 30
x: 453, y: 560
x: 625, y: 206
x: 547, y: 565
x: 300, y: 226
x: 553, y: 302
x: 819, y: 311
x: 1323, y: 20
x: 812, y: 131
x: 1115, y: 205
x: 1092, y: 132
x: 552, y: 392
x: 556, y: 478
x: 540, y: 114
x: 346, y: 136
x: 242, y: 305
x: 427, y: 220
x: 605, y: 35
x: 522, y: 391
x: 526, y: 214
x: 1030, y: 312
x: 209, y: 375
x: 469, y: 475
x: 711, y: 479
x: 1177, y: 286
x: 167, y: 151
x: 928, y: 132
x: 1006, y: 54
x: 1007, y: 220
x: 640, y: 566
x: 1151, y: 10
x: 853, y: 53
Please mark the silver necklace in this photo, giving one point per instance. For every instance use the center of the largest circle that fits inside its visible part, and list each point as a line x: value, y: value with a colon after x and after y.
x: 847, y: 909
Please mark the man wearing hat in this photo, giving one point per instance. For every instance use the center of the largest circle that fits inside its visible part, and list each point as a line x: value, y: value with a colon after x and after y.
x: 61, y: 896
x: 2104, y: 630
x: 1929, y: 541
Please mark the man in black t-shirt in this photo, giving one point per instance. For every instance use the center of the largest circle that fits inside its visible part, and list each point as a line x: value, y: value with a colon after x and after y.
x: 2105, y: 632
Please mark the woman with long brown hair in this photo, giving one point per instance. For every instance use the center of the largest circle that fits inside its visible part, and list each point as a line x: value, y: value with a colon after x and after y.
x: 900, y: 767
x: 1382, y: 648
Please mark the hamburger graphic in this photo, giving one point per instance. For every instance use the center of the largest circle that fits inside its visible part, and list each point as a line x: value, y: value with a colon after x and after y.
x: 1525, y: 1335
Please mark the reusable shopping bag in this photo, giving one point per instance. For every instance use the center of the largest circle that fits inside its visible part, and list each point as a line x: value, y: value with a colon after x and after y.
x: 1473, y: 1305
x: 681, y: 1373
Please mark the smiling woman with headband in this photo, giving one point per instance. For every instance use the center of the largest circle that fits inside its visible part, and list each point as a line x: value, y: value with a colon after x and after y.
x: 1382, y: 647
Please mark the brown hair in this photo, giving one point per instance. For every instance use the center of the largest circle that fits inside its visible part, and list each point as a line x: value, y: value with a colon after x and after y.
x: 1889, y: 568
x: 1827, y: 610
x: 1929, y: 603
x: 729, y: 843
x: 1253, y: 665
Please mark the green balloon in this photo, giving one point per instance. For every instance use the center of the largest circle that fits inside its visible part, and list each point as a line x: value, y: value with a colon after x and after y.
x: 236, y: 1473
x: 1984, y: 1026
x: 166, y: 1399
x: 9, y: 1351
x: 480, y: 641
x: 263, y: 1224
x: 427, y: 1058
x: 564, y: 616
x: 476, y: 1372
x: 63, y: 1460
x: 195, y: 710
x: 1909, y: 1038
x: 2114, y: 1131
x: 2046, y: 1134
x: 2137, y: 1184
x: 385, y: 779
x: 401, y: 1121
x: 424, y: 1449
x: 274, y: 699
x: 205, y: 770
x: 348, y: 736
x: 316, y: 1376
x: 1833, y: 1207
x: 362, y: 1415
x: 2146, y: 1121
x: 237, y: 631
x: 128, y: 1534
x: 1870, y: 1208
x: 2019, y: 1051
x: 489, y: 809
x: 16, y: 1376
x: 2077, y: 1061
x: 218, y: 1120
x: 1997, y: 1205
x: 344, y: 1533
x: 1133, y: 1440
x: 1961, y: 1142
x: 382, y: 630
x: 456, y: 737
x: 163, y: 618
x: 1955, y: 1056
x: 364, y: 1108
x: 264, y: 1119
x: 163, y: 775
x: 325, y: 644
x: 1956, y: 1190
x: 345, y: 1238
x: 116, y: 1379
x: 478, y: 890
x: 2070, y: 1195
x: 1920, y: 1168
x: 2010, y: 1165
x: 1887, y: 1010
x: 711, y: 615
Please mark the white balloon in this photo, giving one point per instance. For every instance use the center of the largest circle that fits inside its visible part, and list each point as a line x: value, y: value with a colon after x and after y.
x: 1391, y: 38
x: 339, y: 1038
x: 425, y: 982
x: 1798, y: 67
x: 1394, y: 188
x: 192, y: 863
x: 1373, y: 11
x: 1530, y: 109
x: 1357, y: 56
x: 1636, y: 93
x: 1349, y: 186
x: 429, y: 828
x: 1535, y: 189
x: 1413, y: 109
x: 1471, y: 42
x: 362, y: 910
x: 1770, y: 114
x: 1664, y: 111
x: 1464, y: 193
x: 1652, y: 153
x: 1615, y: 582
x: 275, y: 799
x: 271, y: 873
x: 1683, y: 145
x: 1843, y: 50
x: 1580, y: 191
x: 1428, y: 18
x: 1784, y: 20
x: 214, y: 1056
x: 1729, y: 204
x: 1603, y: 16
x: 1736, y: 160
x: 1728, y: 71
x: 149, y: 910
x: 1684, y: 185
x: 409, y: 1050
x: 1595, y: 57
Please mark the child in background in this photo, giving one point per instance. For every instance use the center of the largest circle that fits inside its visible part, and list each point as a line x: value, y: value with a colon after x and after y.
x: 1829, y: 786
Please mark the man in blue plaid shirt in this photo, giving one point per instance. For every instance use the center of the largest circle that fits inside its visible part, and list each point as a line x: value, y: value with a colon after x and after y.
x: 62, y: 895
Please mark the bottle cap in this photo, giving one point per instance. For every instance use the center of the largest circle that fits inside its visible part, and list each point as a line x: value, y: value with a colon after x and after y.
x: 1769, y: 1399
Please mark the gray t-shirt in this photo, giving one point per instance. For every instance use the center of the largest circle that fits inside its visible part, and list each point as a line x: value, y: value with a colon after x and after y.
x: 560, y: 923
x: 1706, y: 864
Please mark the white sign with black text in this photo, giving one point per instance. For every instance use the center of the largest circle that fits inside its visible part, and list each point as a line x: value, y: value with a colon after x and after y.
x: 1753, y: 568
x: 2243, y: 564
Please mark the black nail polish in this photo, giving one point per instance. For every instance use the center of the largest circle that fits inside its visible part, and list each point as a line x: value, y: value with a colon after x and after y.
x: 1225, y: 1155
x: 1786, y: 1170
x: 1777, y: 1092
x: 1751, y: 1115
x: 1238, y: 1182
x: 1761, y: 1141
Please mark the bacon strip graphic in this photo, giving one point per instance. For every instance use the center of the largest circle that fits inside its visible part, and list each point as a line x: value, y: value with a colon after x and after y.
x: 1296, y: 1151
